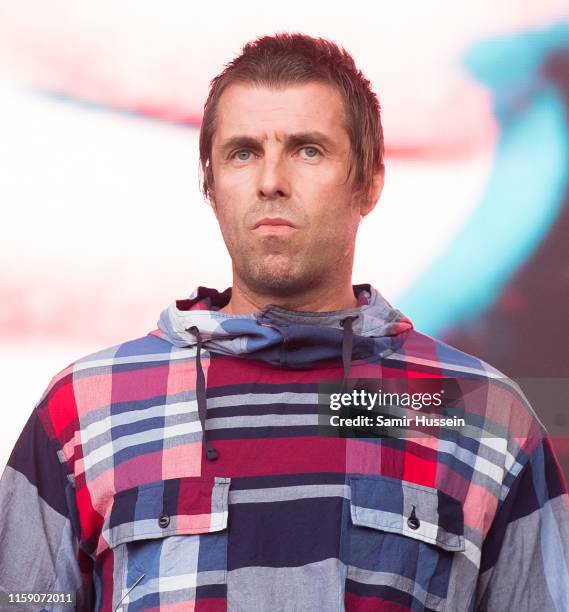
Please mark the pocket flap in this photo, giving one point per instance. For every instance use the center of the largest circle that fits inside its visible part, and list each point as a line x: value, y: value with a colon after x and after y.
x: 419, y: 512
x: 168, y: 507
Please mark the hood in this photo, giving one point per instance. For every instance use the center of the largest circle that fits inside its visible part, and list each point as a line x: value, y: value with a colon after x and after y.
x: 288, y: 338
x: 284, y: 337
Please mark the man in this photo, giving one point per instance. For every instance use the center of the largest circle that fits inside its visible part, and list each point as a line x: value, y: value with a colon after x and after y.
x: 186, y: 469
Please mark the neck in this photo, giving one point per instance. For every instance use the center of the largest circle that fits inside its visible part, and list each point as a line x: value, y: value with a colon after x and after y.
x: 320, y: 299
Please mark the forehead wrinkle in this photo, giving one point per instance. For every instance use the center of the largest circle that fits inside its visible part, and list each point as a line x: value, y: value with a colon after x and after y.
x: 266, y: 106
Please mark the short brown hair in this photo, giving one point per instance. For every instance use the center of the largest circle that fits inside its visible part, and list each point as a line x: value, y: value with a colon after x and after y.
x: 293, y: 58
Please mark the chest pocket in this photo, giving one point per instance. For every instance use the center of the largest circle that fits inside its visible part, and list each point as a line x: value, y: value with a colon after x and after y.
x: 169, y: 543
x: 402, y: 540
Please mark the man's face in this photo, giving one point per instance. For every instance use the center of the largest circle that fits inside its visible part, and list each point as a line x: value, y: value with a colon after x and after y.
x: 286, y: 209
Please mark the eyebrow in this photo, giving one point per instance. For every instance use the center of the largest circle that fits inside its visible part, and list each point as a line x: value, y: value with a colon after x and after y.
x: 291, y: 141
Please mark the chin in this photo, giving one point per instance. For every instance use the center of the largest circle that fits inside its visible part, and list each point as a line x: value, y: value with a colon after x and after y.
x: 279, y: 276
x: 282, y: 284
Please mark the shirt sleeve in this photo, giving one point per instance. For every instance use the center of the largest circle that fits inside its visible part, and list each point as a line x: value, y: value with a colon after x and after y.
x: 39, y: 543
x: 525, y: 556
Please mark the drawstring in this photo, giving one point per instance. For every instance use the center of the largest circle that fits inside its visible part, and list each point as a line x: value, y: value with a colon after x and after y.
x: 347, y: 344
x: 210, y: 452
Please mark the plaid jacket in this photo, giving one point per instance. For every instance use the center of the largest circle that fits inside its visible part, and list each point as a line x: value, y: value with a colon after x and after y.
x: 185, y: 470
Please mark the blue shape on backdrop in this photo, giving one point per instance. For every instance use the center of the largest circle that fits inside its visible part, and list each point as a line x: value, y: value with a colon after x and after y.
x: 525, y: 191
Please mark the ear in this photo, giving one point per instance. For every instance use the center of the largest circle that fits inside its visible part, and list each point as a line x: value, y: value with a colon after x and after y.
x: 213, y: 204
x: 367, y: 204
x: 210, y: 189
x: 211, y: 200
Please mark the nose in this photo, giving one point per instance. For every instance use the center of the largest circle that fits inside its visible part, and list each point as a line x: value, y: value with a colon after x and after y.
x: 273, y: 179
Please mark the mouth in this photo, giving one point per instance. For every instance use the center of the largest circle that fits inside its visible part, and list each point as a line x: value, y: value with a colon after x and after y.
x: 276, y: 225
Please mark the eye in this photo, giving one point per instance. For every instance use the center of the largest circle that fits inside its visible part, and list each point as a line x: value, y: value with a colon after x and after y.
x: 242, y: 155
x: 310, y: 152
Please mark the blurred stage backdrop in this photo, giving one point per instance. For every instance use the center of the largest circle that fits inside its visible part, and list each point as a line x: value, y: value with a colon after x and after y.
x: 102, y: 220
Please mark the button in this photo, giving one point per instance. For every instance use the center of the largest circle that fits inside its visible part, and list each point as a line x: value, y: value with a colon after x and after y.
x: 163, y: 520
x: 413, y: 522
